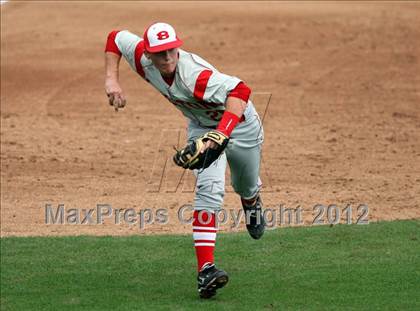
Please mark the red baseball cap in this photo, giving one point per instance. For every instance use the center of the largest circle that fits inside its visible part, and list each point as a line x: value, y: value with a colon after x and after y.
x: 160, y: 37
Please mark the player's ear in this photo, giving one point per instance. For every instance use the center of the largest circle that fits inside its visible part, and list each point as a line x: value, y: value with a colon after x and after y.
x: 147, y: 54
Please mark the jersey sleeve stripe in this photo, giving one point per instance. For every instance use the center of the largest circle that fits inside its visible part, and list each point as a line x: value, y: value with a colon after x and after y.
x: 201, y: 84
x: 138, y: 53
x: 111, y: 46
x: 241, y: 91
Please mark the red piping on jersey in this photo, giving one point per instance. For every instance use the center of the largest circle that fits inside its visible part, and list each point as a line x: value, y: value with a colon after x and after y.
x: 111, y: 46
x: 138, y: 53
x: 201, y: 84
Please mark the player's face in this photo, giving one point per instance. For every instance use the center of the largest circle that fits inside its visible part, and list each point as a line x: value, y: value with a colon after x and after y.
x: 165, y: 61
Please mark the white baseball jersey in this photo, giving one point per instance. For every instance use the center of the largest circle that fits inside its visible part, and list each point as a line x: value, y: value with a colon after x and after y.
x: 199, y: 90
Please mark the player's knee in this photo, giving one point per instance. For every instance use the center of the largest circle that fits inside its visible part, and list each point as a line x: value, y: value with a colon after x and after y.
x: 246, y: 191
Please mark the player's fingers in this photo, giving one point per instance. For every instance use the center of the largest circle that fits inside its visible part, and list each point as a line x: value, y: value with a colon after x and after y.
x: 206, y: 145
x: 111, y: 99
x: 115, y: 104
x: 212, y: 145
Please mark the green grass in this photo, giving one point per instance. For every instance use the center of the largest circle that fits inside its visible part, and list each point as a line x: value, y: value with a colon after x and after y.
x: 345, y: 267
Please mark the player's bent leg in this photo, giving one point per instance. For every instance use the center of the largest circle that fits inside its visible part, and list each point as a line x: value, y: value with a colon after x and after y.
x: 244, y: 154
x: 244, y: 166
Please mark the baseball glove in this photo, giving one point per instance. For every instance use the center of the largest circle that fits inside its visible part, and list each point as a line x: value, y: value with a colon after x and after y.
x: 190, y: 156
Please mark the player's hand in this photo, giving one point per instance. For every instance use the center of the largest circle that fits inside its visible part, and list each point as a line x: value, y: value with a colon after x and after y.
x: 209, y: 144
x: 115, y: 94
x: 191, y: 157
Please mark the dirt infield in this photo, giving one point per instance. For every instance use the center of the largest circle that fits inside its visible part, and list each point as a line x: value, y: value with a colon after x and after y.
x: 342, y: 127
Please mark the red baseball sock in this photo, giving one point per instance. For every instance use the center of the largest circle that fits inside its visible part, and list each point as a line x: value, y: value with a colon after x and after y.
x: 204, y: 234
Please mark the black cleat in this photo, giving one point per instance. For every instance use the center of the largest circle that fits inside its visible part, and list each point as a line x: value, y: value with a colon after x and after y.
x: 254, y: 218
x: 209, y: 280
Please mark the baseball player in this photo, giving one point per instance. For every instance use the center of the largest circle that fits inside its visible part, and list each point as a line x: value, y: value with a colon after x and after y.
x: 223, y: 127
